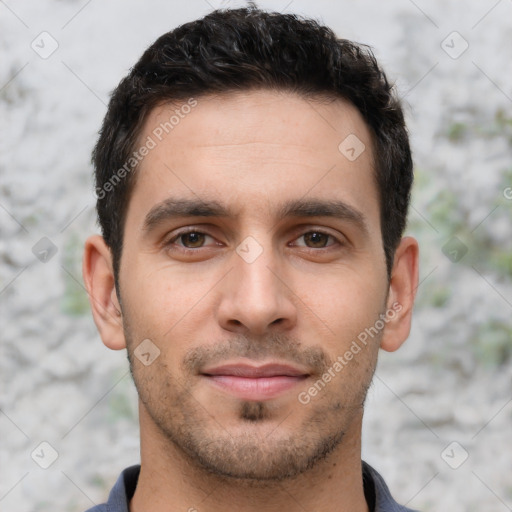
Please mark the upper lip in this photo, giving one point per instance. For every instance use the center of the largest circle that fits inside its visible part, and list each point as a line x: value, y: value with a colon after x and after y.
x: 252, y: 371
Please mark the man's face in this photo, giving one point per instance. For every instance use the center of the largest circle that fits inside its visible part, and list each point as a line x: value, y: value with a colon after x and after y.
x: 253, y: 305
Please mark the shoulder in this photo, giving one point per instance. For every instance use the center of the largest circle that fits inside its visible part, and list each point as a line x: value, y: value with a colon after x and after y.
x: 121, y: 493
x: 378, y: 492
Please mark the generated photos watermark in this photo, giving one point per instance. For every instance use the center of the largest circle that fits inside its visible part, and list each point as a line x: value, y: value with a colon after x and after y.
x: 343, y: 360
x: 151, y: 142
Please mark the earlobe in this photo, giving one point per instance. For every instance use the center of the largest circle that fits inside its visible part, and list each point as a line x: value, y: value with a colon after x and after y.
x: 99, y: 281
x: 402, y: 292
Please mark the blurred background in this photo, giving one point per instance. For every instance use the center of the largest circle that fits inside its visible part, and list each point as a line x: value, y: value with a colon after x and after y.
x: 439, y: 414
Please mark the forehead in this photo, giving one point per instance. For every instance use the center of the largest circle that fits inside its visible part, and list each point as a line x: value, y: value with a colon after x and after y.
x: 255, y: 149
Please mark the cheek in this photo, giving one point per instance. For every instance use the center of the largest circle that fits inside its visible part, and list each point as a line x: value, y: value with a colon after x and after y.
x: 155, y: 301
x: 342, y: 308
x: 165, y: 302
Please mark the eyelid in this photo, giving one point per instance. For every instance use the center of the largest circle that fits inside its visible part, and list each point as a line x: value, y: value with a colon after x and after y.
x: 338, y: 238
x: 184, y: 231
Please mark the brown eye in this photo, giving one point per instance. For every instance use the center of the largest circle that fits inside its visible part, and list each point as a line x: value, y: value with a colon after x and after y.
x: 317, y: 239
x: 192, y: 240
x: 190, y: 245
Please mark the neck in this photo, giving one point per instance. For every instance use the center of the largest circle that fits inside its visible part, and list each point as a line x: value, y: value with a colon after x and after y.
x: 171, y: 481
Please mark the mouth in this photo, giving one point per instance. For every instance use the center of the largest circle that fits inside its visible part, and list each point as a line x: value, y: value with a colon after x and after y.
x: 251, y: 382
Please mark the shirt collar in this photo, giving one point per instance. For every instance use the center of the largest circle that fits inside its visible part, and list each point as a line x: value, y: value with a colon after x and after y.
x: 376, y: 492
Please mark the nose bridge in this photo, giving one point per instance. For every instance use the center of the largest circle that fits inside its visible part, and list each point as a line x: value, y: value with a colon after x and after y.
x: 256, y: 297
x: 253, y: 271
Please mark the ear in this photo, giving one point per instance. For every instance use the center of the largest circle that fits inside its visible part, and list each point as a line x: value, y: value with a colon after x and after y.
x: 402, y: 291
x: 98, y: 277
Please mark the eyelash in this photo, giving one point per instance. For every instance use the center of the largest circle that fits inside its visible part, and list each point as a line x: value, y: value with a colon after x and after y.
x: 189, y: 250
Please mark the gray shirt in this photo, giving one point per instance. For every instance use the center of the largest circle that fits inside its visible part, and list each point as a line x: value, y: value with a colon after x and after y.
x: 376, y: 492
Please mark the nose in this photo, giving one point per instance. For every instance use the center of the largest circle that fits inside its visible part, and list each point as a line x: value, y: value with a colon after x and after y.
x: 257, y: 297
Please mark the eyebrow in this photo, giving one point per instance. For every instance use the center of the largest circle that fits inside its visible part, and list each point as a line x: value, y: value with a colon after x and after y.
x: 324, y: 208
x: 172, y: 208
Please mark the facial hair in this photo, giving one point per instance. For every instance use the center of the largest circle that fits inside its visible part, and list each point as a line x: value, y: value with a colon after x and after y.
x: 247, y: 450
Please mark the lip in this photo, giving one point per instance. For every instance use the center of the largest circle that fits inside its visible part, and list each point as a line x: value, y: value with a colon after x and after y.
x: 253, y: 371
x: 251, y: 382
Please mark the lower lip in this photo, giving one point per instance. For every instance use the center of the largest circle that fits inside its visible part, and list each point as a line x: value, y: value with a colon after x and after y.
x: 261, y: 388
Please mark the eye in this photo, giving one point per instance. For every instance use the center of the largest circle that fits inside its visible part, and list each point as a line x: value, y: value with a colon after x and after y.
x: 317, y: 239
x: 191, y: 239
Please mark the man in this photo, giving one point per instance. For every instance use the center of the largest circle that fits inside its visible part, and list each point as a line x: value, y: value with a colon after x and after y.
x: 253, y: 175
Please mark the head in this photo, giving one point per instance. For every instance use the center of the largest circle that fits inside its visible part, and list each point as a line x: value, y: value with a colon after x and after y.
x: 253, y: 176
x: 242, y: 50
